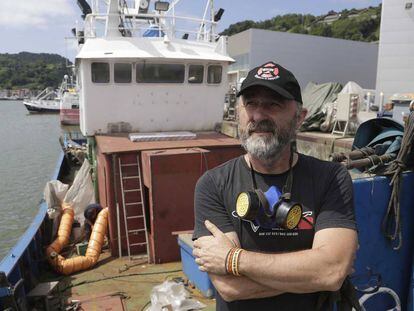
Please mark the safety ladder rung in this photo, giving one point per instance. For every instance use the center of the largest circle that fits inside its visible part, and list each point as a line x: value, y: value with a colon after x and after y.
x: 133, y: 203
x: 136, y: 230
x: 138, y: 244
x: 131, y: 177
x: 132, y: 190
x: 129, y: 164
x: 135, y: 217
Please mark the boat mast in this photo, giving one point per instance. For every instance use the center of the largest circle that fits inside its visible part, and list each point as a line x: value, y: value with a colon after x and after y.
x: 112, y: 21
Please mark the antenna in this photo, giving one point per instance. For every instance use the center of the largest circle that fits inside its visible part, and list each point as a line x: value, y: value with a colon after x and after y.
x: 85, y: 8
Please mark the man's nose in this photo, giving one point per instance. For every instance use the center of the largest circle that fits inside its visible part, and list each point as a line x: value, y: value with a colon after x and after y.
x: 260, y: 112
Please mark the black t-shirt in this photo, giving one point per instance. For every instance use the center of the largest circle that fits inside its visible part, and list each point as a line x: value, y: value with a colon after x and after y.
x: 323, y: 188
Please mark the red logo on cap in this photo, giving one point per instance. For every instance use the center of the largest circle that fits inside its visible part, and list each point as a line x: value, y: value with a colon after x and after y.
x: 268, y: 72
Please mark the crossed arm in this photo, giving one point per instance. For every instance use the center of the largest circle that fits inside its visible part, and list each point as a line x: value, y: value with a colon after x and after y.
x: 322, y: 268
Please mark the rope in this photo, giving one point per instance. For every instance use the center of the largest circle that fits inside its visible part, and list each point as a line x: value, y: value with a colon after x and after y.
x: 391, y: 224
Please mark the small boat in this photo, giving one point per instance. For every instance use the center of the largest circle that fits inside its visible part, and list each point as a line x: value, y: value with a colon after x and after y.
x: 47, y: 101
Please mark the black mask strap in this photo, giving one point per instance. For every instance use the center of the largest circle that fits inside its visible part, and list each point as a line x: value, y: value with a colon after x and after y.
x: 287, y: 188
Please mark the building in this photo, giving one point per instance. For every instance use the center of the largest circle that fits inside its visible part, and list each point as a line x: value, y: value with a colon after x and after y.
x: 395, y: 56
x: 311, y: 58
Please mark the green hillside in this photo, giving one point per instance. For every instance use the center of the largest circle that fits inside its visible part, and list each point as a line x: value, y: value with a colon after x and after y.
x: 31, y: 70
x: 358, y: 25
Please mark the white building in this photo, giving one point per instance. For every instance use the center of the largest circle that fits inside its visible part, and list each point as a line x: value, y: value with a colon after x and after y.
x: 310, y: 58
x: 396, y: 49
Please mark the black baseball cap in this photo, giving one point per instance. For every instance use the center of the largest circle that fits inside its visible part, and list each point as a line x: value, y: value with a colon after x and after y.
x: 274, y: 77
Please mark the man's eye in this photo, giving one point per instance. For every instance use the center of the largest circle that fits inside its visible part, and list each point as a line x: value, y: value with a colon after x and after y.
x: 249, y: 103
x: 275, y: 104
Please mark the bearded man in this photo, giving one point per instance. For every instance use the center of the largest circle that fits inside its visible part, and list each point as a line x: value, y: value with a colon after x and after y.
x: 290, y: 261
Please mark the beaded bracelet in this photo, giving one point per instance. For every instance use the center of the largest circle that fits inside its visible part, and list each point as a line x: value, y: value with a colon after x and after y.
x: 229, y: 260
x: 232, y: 261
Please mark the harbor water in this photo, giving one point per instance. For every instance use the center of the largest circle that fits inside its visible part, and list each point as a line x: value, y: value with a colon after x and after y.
x: 29, y: 150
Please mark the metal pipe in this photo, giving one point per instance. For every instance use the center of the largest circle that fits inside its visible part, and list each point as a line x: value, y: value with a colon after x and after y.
x: 118, y: 225
x: 352, y: 155
x: 370, y: 161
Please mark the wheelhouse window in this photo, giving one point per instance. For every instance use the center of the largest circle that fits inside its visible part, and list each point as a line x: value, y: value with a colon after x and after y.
x: 214, y: 74
x: 160, y: 73
x: 122, y: 73
x: 195, y: 73
x: 100, y: 72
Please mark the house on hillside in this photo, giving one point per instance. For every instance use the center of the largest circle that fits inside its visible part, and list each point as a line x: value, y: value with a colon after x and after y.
x: 331, y: 17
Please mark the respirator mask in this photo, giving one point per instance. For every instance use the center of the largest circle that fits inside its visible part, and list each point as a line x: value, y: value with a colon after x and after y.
x: 270, y: 209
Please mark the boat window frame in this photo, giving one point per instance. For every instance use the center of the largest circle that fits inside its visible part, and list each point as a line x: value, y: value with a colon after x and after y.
x: 131, y: 67
x: 202, y: 76
x: 109, y: 72
x: 139, y: 64
x: 208, y: 75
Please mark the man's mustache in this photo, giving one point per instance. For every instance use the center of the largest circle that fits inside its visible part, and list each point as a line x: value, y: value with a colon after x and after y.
x: 262, y: 126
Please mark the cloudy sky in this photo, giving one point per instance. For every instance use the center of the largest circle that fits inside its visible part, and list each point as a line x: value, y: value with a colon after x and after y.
x: 43, y: 25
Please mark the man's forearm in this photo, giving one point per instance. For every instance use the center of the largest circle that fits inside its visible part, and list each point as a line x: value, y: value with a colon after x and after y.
x: 297, y: 272
x: 240, y: 288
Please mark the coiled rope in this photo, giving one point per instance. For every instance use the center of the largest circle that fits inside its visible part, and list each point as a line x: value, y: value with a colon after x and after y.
x: 391, y: 224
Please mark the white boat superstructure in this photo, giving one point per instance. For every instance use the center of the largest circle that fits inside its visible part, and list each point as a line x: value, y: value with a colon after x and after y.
x: 69, y: 102
x: 143, y: 68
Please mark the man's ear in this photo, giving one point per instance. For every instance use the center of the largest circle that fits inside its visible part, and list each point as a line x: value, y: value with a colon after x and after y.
x: 301, y: 117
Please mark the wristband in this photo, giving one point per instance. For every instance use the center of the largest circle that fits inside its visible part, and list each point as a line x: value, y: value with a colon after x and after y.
x: 230, y: 260
x: 235, y: 262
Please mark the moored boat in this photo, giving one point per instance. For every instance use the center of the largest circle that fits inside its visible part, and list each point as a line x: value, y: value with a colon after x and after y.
x: 45, y: 101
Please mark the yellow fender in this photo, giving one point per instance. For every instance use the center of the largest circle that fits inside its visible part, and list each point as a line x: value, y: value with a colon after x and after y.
x: 72, y: 265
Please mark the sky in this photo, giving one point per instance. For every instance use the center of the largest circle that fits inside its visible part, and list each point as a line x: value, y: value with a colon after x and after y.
x: 41, y: 26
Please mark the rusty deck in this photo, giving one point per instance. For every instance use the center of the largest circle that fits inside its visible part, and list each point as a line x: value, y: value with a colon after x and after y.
x: 120, y: 277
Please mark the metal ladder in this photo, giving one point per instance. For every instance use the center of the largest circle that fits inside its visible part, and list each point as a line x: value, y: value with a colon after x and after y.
x: 139, y: 202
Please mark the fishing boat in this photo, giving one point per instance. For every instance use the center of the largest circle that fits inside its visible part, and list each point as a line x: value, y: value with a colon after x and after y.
x: 155, y: 74
x: 46, y: 101
x: 150, y: 97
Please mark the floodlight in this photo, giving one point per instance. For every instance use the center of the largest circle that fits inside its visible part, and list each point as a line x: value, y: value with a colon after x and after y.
x: 161, y: 6
x: 218, y: 15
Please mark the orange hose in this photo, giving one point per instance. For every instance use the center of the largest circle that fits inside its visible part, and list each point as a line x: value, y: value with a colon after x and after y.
x: 65, y: 227
x: 71, y: 265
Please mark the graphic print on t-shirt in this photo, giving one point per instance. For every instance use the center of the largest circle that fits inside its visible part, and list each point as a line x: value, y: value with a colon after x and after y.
x: 306, y: 223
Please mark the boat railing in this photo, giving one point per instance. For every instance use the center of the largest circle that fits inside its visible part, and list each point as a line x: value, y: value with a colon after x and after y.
x: 46, y: 94
x: 136, y: 25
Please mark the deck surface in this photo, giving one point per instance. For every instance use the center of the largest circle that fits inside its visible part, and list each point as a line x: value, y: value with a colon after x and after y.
x: 110, y: 277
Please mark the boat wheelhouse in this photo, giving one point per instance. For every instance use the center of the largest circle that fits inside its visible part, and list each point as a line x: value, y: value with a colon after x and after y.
x: 144, y: 74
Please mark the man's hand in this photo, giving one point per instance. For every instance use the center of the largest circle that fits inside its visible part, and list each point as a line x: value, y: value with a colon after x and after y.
x: 211, y: 251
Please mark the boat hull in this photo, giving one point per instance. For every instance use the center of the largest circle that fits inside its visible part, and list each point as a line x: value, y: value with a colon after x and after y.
x: 39, y: 109
x: 69, y: 116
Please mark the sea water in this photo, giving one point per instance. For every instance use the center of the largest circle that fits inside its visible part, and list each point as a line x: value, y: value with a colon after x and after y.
x: 29, y: 149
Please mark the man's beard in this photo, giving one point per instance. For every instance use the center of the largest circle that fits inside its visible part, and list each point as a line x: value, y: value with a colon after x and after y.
x: 267, y: 148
